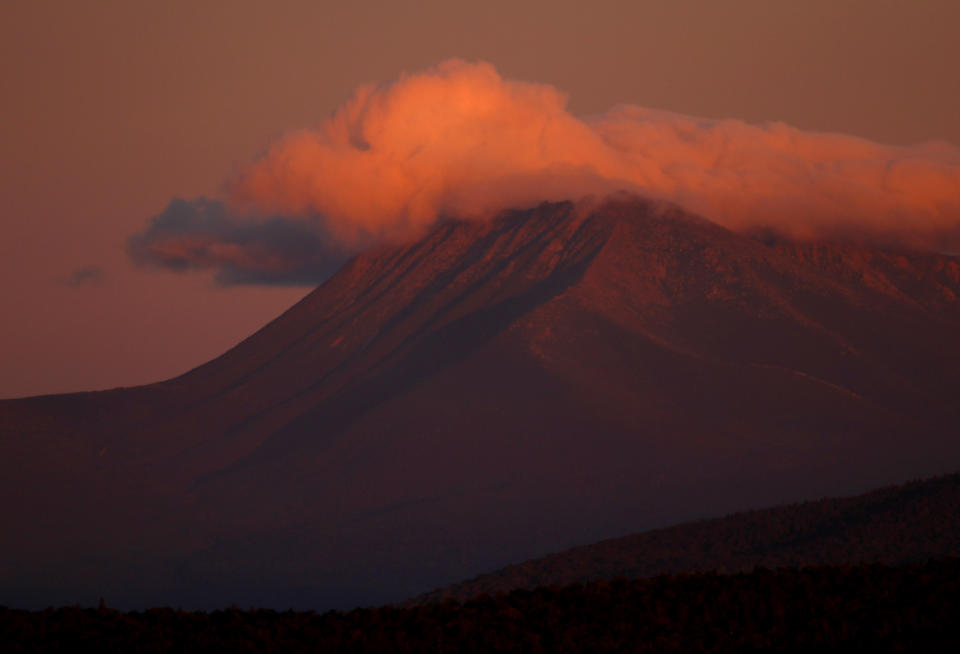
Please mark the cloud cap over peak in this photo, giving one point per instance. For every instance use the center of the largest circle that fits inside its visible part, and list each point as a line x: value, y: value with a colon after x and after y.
x: 459, y: 140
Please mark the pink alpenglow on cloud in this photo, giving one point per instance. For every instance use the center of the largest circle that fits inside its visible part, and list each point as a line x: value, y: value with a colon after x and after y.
x: 459, y: 141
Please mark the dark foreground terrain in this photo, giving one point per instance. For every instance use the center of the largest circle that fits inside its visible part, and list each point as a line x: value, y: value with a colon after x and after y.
x: 877, y: 608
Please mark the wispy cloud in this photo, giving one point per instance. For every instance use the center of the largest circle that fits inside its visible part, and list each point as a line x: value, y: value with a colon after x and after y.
x: 84, y: 276
x: 203, y: 234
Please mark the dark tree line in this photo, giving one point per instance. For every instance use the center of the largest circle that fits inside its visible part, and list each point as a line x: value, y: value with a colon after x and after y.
x: 909, y: 608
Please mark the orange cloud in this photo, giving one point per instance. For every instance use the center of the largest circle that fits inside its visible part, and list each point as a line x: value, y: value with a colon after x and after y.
x: 459, y: 140
x: 396, y: 156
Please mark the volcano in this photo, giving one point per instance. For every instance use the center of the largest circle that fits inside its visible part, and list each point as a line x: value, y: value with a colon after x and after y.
x: 492, y: 392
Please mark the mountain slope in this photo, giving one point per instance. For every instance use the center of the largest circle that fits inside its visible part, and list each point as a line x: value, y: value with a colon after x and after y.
x: 908, y: 523
x: 489, y: 393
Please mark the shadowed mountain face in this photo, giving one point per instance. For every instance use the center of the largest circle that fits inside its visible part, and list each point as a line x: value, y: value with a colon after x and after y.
x: 488, y: 394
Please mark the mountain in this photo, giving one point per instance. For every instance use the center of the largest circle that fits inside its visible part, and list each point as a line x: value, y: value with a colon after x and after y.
x: 895, y: 525
x: 489, y: 393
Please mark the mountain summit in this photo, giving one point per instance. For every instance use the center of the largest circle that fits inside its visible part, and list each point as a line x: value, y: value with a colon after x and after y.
x: 493, y: 392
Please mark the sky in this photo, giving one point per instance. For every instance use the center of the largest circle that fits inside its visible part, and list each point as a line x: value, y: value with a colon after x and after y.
x: 112, y: 110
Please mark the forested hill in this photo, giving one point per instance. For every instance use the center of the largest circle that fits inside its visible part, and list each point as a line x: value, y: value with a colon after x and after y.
x: 912, y: 522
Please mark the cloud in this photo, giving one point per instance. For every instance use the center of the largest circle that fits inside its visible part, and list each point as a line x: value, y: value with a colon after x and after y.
x: 459, y: 140
x: 85, y: 275
x: 203, y: 234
